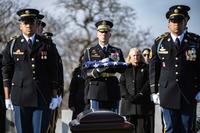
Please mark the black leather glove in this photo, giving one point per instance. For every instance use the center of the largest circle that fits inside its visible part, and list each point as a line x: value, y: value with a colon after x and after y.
x: 136, y: 98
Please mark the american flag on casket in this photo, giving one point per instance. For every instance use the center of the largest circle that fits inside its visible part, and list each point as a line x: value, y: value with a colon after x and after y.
x: 100, y: 64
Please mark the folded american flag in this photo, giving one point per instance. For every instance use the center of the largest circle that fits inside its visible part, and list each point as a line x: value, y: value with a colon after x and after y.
x: 99, y: 64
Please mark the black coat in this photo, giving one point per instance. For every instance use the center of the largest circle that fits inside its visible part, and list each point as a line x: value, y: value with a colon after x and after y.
x: 76, y: 95
x: 103, y: 88
x: 135, y: 80
x: 172, y: 73
x: 2, y: 102
x: 30, y: 73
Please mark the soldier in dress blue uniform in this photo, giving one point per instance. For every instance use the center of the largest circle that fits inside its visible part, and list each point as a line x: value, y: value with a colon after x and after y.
x: 30, y: 75
x: 102, y: 88
x: 175, y: 73
x: 40, y: 24
x: 55, y: 113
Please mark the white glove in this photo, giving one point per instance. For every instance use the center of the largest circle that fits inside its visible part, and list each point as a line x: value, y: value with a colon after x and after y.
x: 197, y: 97
x: 54, y: 103
x: 105, y: 60
x: 155, y: 98
x: 8, y: 104
x: 59, y: 98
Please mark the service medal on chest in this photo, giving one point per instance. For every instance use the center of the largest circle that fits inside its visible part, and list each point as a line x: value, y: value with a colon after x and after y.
x: 191, y: 54
x: 43, y: 55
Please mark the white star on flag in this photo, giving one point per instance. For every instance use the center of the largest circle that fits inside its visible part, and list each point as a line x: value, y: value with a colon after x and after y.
x: 115, y: 63
x: 105, y: 64
x: 96, y: 65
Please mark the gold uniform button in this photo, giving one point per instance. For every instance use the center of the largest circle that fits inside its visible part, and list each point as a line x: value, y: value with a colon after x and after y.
x: 176, y: 80
x: 33, y: 65
x: 33, y: 72
x: 34, y: 78
x: 176, y: 73
x: 176, y: 65
x: 32, y: 59
x: 176, y: 58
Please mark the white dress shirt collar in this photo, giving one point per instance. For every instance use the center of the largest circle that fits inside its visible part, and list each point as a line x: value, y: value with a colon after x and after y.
x: 180, y: 37
x: 32, y: 38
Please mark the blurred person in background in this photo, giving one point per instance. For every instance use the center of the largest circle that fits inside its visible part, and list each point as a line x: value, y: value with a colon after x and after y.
x: 135, y: 92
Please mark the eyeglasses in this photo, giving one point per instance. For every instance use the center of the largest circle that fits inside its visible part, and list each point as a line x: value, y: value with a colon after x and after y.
x: 176, y: 20
x: 145, y: 55
x: 28, y: 22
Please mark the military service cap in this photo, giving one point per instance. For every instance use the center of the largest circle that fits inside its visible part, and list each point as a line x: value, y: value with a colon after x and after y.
x: 40, y: 16
x: 27, y: 14
x: 104, y: 25
x: 178, y: 12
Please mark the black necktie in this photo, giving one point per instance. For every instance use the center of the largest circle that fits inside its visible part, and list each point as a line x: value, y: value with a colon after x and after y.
x: 177, y: 43
x: 30, y: 43
x: 104, y: 50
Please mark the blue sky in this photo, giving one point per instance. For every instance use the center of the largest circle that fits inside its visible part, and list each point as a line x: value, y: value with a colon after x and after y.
x: 149, y: 13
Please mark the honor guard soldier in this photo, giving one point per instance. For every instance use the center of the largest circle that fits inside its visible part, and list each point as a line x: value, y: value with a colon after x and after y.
x: 102, y: 88
x: 54, y: 114
x: 40, y: 24
x: 174, y: 72
x: 30, y: 75
x: 60, y: 92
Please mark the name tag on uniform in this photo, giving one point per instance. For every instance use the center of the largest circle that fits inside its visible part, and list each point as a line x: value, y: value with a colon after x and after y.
x: 18, y: 52
x: 162, y: 51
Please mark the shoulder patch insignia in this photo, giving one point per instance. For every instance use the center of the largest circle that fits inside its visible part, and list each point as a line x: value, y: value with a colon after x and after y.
x: 14, y: 37
x: 162, y: 36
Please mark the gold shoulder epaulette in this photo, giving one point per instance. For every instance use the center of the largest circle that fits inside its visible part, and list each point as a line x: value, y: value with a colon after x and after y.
x: 14, y: 37
x: 162, y: 36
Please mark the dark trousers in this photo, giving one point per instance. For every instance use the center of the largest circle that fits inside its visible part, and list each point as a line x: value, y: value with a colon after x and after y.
x: 179, y: 121
x: 2, y: 115
x: 142, y: 123
x: 29, y: 119
x: 2, y: 120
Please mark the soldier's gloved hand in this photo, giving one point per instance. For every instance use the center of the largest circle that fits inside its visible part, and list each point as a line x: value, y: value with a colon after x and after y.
x: 8, y: 104
x: 197, y: 97
x: 95, y: 73
x: 155, y: 98
x: 59, y: 98
x: 105, y: 60
x: 54, y: 103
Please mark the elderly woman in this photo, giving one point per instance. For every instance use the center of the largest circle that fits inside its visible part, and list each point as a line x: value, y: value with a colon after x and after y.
x: 136, y: 105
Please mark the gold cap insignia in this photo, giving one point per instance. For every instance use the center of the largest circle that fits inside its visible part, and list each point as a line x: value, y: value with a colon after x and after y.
x: 176, y: 11
x: 27, y: 12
